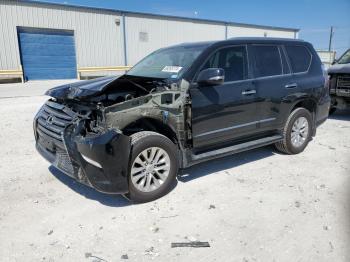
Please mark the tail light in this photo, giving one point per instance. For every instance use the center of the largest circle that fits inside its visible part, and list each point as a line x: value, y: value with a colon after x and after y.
x: 325, y: 76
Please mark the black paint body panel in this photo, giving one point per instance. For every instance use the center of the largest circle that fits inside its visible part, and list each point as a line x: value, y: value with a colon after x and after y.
x: 111, y: 150
x: 220, y: 116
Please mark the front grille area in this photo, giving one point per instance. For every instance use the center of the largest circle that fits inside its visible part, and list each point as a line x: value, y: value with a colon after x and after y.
x: 52, y: 119
x: 59, y: 159
x: 343, y: 82
x: 63, y: 162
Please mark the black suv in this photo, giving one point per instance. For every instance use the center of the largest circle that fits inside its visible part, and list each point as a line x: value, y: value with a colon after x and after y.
x: 182, y: 105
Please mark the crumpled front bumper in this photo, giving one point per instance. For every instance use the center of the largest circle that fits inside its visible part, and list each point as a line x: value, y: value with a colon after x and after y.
x: 100, y: 161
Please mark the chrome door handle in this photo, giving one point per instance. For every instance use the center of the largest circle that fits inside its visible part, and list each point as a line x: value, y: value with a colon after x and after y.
x: 293, y: 85
x: 248, y: 92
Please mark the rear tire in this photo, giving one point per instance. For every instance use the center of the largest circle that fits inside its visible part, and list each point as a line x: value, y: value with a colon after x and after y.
x: 153, y: 166
x: 296, y: 133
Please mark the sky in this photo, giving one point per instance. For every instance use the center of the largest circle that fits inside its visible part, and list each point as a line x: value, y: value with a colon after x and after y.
x: 313, y: 17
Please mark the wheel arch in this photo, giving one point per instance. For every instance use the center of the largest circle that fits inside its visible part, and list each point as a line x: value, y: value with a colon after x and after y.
x: 151, y: 124
x: 309, y: 104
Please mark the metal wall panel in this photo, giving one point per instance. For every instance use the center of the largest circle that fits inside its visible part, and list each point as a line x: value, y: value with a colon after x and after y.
x: 99, y: 39
x: 164, y: 32
x: 97, y: 36
x: 240, y: 31
x: 327, y: 57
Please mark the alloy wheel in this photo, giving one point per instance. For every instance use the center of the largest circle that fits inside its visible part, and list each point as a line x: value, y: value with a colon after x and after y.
x: 150, y: 169
x: 300, y: 132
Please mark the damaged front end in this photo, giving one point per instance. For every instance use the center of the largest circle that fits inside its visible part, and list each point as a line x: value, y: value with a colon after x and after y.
x: 98, y: 159
x: 84, y: 129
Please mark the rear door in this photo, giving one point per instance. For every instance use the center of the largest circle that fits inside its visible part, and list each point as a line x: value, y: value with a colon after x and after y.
x: 226, y: 112
x: 273, y: 82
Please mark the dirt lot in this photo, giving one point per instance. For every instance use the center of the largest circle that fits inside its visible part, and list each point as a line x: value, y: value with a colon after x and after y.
x: 254, y: 206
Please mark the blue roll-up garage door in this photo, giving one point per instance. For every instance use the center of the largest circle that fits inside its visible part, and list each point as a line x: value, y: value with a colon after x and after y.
x: 47, y: 54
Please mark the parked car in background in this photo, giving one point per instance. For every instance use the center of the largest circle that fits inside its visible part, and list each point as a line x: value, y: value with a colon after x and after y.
x: 339, y: 82
x: 180, y: 106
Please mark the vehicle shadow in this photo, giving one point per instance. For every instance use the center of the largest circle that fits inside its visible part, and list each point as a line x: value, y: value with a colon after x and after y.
x: 210, y: 167
x: 186, y: 175
x: 90, y: 193
x: 341, y: 115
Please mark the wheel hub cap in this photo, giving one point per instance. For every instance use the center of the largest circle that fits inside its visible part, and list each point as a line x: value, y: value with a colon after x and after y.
x: 150, y: 169
x: 300, y: 132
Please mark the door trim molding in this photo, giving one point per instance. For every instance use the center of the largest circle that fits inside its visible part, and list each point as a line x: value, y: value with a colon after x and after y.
x: 234, y: 127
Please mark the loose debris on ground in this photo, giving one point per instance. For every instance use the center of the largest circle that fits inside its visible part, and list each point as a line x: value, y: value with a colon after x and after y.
x: 190, y: 244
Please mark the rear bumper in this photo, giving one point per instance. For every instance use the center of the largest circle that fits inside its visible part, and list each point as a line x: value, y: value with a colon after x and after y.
x: 322, y: 111
x: 100, y: 161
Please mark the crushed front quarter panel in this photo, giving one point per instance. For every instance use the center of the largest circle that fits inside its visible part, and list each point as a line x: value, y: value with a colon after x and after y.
x: 168, y: 107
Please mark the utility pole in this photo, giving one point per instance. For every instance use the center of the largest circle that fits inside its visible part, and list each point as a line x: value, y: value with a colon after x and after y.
x: 330, y: 39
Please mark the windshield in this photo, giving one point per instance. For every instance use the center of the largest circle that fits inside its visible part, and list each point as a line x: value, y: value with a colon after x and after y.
x: 167, y: 63
x: 345, y: 58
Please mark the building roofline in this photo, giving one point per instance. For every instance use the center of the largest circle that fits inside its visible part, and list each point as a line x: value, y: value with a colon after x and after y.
x: 160, y: 16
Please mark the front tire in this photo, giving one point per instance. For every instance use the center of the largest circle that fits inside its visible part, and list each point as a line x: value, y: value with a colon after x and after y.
x: 296, y: 133
x: 153, y: 166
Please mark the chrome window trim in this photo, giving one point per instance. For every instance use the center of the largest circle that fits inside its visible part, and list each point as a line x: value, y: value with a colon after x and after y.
x: 234, y: 127
x: 269, y: 77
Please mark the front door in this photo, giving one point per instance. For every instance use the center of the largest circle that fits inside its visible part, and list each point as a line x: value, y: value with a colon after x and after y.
x: 224, y: 113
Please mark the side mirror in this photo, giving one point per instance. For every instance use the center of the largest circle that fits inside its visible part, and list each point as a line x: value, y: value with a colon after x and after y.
x: 334, y: 61
x: 211, y: 77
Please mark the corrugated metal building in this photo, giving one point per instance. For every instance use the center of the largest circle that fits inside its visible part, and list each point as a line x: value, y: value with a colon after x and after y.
x: 60, y: 41
x: 327, y: 57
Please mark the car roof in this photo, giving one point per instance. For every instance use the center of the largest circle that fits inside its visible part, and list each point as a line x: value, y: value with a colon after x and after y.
x: 243, y: 40
x: 265, y: 39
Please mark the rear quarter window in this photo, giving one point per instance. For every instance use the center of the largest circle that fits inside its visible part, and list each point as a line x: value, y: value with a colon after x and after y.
x: 299, y: 58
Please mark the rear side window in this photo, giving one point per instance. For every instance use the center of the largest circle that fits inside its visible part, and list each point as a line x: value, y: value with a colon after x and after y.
x: 266, y: 60
x: 299, y: 57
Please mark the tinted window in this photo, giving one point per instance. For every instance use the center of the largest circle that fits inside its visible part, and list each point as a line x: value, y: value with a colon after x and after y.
x: 299, y: 58
x: 233, y: 60
x: 266, y: 60
x: 169, y: 62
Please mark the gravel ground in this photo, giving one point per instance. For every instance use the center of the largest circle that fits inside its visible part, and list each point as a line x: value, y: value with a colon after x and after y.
x: 255, y: 206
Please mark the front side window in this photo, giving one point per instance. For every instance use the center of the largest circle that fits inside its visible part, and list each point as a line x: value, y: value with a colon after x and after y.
x: 233, y: 60
x: 266, y: 60
x: 299, y: 57
x: 167, y: 63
